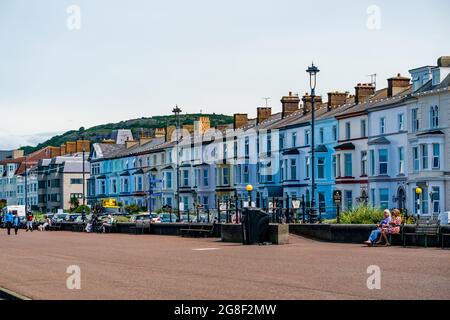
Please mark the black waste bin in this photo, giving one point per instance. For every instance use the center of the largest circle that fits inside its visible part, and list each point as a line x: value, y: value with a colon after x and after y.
x: 255, y: 226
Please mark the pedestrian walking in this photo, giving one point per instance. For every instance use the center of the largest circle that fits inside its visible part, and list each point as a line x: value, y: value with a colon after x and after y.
x: 8, y: 221
x: 16, y: 223
x: 30, y: 220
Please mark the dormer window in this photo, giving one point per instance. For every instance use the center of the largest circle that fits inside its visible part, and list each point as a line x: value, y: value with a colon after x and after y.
x: 436, y: 77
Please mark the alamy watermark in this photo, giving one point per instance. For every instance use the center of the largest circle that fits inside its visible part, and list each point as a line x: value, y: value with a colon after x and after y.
x: 73, y: 282
x: 374, y: 280
x: 374, y: 17
x: 73, y: 21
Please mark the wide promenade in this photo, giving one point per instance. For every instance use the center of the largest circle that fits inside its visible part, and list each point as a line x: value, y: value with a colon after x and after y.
x: 119, y: 266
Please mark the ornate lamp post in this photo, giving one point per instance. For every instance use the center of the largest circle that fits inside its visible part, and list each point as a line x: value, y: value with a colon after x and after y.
x: 26, y: 187
x: 176, y: 111
x: 418, y: 193
x: 84, y: 187
x: 313, y: 71
x: 249, y: 189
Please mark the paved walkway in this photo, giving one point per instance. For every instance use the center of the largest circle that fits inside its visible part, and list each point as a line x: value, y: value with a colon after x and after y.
x: 118, y: 266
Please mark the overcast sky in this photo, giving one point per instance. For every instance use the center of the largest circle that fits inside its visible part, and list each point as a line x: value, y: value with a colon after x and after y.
x: 138, y: 58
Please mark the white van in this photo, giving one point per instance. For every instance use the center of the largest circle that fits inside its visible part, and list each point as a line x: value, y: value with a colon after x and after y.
x: 20, y: 210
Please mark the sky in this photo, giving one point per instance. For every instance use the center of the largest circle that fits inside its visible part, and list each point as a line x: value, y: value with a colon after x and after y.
x: 66, y: 64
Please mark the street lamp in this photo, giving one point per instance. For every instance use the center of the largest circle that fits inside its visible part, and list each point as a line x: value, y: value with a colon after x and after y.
x: 26, y: 185
x: 418, y: 193
x: 249, y: 189
x: 176, y: 111
x: 84, y: 181
x: 313, y: 71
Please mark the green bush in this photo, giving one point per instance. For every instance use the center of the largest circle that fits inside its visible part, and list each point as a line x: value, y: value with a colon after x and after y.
x: 79, y: 209
x: 132, y: 208
x: 122, y: 219
x: 362, y: 214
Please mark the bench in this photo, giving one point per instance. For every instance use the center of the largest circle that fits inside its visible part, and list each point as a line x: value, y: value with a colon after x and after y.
x: 78, y: 227
x: 203, y: 231
x: 426, y: 227
x: 55, y: 226
x: 443, y: 236
x: 396, y: 235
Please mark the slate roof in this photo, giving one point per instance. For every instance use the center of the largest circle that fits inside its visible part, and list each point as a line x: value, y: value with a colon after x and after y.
x: 345, y: 146
x: 379, y: 141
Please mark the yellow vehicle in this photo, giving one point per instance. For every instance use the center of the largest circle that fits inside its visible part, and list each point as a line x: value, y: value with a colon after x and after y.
x: 110, y: 206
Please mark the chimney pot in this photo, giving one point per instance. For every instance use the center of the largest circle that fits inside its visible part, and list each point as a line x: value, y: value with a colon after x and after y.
x: 397, y: 85
x: 363, y: 91
x: 263, y: 113
x: 290, y: 104
x: 240, y: 120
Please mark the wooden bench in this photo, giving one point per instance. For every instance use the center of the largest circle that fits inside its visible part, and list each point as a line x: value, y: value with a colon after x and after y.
x: 79, y: 227
x: 443, y: 236
x: 426, y: 227
x: 55, y: 226
x: 400, y: 234
x: 203, y: 231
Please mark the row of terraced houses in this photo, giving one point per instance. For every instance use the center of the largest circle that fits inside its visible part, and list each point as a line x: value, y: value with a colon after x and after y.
x: 376, y: 146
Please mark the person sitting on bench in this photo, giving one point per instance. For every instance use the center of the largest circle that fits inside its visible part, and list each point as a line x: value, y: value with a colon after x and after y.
x: 44, y: 225
x: 375, y: 234
x: 393, y: 228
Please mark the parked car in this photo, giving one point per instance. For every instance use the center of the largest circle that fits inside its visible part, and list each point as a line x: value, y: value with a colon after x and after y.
x: 165, y: 217
x: 72, y: 217
x: 156, y: 218
x: 140, y: 217
x: 192, y: 218
x: 59, y: 217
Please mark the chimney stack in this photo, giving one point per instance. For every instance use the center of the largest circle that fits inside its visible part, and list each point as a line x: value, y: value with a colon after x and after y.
x: 169, y: 132
x: 363, y: 91
x: 397, y: 84
x: 160, y: 133
x: 307, y: 103
x: 54, y: 151
x: 71, y: 147
x: 83, y: 145
x: 444, y: 62
x: 263, y: 113
x: 144, y: 140
x: 336, y: 99
x: 290, y: 104
x: 202, y: 125
x: 63, y: 149
x: 17, y: 154
x: 240, y: 120
x: 131, y: 143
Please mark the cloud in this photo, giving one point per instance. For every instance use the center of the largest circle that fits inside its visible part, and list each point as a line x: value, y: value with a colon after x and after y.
x: 10, y: 141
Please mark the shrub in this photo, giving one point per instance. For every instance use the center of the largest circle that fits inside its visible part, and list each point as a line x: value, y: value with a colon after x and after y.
x: 132, y: 208
x: 121, y: 219
x: 79, y: 209
x: 362, y: 214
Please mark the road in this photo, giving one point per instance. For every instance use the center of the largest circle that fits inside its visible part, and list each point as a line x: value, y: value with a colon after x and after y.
x: 119, y: 266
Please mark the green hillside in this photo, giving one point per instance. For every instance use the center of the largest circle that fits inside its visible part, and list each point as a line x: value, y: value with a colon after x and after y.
x: 137, y: 126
